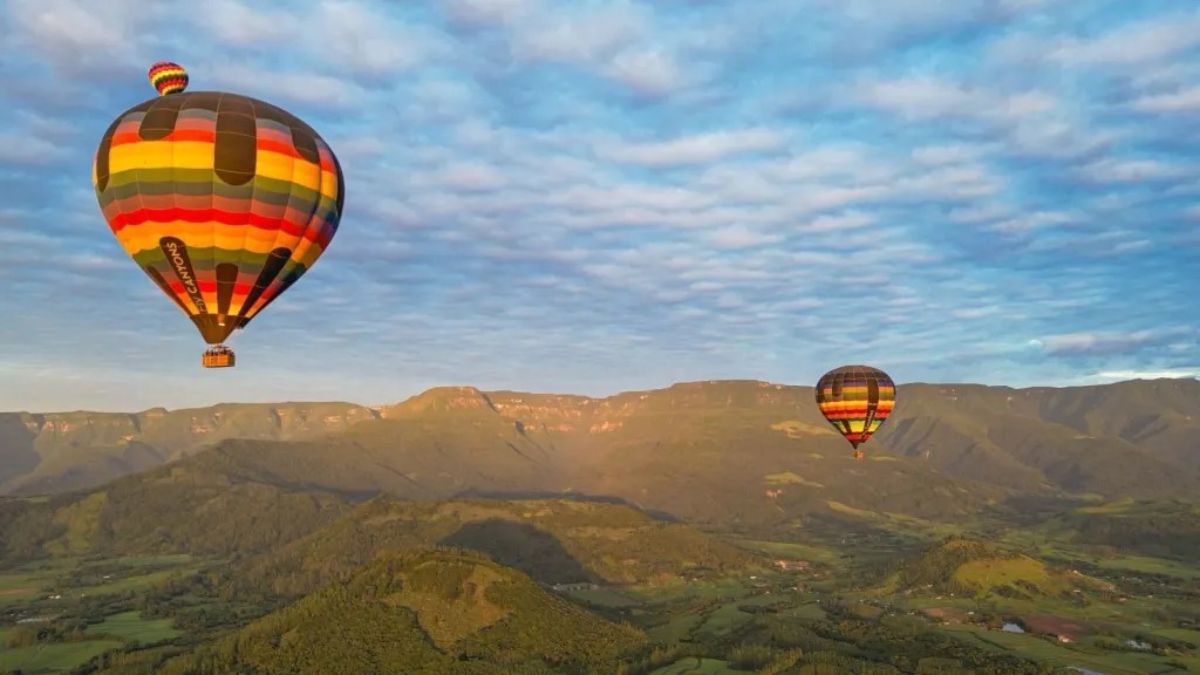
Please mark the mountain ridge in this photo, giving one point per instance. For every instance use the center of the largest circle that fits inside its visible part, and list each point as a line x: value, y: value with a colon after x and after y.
x: 691, y: 441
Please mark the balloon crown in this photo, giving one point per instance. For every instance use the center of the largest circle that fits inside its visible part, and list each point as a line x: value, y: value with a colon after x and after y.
x: 168, y: 77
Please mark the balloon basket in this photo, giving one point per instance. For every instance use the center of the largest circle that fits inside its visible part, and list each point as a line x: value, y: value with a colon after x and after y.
x: 858, y: 454
x: 219, y: 356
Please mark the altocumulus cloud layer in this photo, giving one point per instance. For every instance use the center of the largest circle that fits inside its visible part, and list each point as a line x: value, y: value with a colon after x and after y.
x: 595, y: 196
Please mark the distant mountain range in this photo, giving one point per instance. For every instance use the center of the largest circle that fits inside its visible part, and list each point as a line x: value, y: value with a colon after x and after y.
x: 731, y: 452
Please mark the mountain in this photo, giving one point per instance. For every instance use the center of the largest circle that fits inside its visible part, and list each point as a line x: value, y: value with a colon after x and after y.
x: 553, y: 541
x: 735, y: 453
x: 424, y: 611
x: 58, y: 452
x: 1135, y: 438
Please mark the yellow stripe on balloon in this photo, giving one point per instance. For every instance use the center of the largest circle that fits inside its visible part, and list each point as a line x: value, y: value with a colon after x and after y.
x: 145, y: 236
x: 160, y: 155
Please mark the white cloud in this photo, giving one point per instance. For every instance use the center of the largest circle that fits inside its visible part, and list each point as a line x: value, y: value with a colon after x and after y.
x: 1027, y: 222
x: 648, y: 71
x: 946, y: 154
x: 472, y: 176
x: 361, y: 40
x: 1112, y: 170
x: 487, y: 11
x: 1183, y: 100
x: 309, y: 88
x: 1164, y: 373
x: 79, y: 35
x: 1148, y: 41
x: 740, y: 236
x: 357, y: 36
x: 979, y: 213
x: 695, y: 149
x: 239, y: 23
x: 847, y: 221
x: 1097, y: 342
x: 921, y: 97
x: 976, y: 312
x: 25, y: 149
x: 591, y: 34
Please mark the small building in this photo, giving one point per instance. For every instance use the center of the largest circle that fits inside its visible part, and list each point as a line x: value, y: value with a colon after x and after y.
x: 792, y: 565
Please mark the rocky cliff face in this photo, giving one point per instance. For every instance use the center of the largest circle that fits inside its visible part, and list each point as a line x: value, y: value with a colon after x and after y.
x: 1128, y: 439
x: 55, y: 452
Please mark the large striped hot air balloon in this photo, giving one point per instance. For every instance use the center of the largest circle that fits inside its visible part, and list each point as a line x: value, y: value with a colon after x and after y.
x: 856, y: 400
x: 223, y: 200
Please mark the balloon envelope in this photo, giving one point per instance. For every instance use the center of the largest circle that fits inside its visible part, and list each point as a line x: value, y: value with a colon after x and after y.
x: 856, y: 400
x: 223, y: 200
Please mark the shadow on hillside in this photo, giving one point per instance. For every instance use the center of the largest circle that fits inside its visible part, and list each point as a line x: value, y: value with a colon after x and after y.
x: 1031, y: 509
x: 17, y: 441
x: 509, y: 495
x: 524, y: 547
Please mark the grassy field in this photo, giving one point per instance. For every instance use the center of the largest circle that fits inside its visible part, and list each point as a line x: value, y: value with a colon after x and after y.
x: 132, y: 627
x: 129, y: 583
x: 676, y: 630
x: 698, y: 666
x: 34, y: 580
x: 55, y: 657
x: 791, y: 550
x: 1041, y: 649
x: 603, y: 597
x: 28, y: 581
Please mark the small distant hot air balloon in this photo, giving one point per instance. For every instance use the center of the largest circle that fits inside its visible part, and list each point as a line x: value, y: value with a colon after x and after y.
x: 856, y: 400
x: 223, y: 200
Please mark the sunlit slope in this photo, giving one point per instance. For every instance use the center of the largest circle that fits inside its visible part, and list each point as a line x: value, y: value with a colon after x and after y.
x: 434, y: 611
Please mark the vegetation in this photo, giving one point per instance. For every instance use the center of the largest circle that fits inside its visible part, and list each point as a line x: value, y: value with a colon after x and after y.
x: 710, y: 527
x: 421, y: 612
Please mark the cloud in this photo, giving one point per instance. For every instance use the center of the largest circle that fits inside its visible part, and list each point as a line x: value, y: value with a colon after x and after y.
x: 1150, y: 40
x: 846, y: 221
x: 1184, y: 100
x: 955, y: 153
x: 240, y: 23
x: 603, y: 196
x: 479, y: 12
x: 1123, y: 375
x: 309, y: 88
x: 1031, y: 221
x: 619, y: 41
x: 1131, y: 171
x: 24, y: 149
x: 1102, y: 342
x: 696, y: 149
x: 740, y: 236
x: 647, y: 71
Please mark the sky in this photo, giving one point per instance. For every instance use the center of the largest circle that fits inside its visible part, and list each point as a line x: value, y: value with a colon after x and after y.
x: 593, y: 197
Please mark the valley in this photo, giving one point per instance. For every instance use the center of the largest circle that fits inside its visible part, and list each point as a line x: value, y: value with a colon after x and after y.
x: 706, y: 528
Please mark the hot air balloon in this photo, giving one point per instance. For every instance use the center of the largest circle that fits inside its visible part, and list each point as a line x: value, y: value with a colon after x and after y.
x: 223, y: 200
x: 856, y: 400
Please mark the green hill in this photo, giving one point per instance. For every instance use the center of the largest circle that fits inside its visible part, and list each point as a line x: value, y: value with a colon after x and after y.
x: 1160, y: 528
x: 553, y: 541
x: 431, y: 611
x: 978, y: 569
x: 178, y: 508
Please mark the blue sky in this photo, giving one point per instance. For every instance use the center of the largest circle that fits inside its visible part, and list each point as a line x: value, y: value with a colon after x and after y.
x: 592, y: 197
